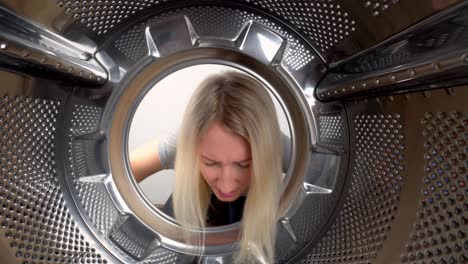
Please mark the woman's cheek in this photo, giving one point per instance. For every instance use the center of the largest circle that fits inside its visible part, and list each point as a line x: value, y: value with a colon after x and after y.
x: 209, y: 174
x: 246, y: 179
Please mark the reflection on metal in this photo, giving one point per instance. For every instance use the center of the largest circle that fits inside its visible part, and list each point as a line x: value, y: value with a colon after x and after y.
x: 218, y: 260
x: 439, y: 34
x: 406, y: 188
x: 432, y: 50
x: 99, y: 178
x: 337, y: 29
x: 124, y: 182
x: 170, y: 35
x: 323, y: 180
x: 176, y: 33
x: 152, y: 48
x: 261, y: 43
x: 97, y: 136
x: 287, y: 226
x: 443, y: 188
x: 174, y: 42
x: 27, y: 42
x: 134, y: 238
x: 31, y: 157
x: 310, y: 188
x: 369, y: 211
x: 382, y: 82
x: 378, y: 7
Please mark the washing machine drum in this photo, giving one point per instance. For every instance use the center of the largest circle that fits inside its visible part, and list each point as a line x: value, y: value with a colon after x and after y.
x: 370, y: 96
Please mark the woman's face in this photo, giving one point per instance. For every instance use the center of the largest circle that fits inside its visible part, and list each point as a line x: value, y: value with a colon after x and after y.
x: 225, y: 162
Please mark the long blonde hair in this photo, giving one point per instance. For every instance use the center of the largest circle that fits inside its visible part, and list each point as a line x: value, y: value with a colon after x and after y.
x: 243, y: 106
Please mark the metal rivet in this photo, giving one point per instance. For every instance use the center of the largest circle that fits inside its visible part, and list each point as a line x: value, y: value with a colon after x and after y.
x: 43, y: 60
x: 353, y: 87
x: 412, y: 72
x: 58, y: 65
x: 3, y: 46
x: 70, y: 69
x: 393, y: 78
x: 364, y: 85
x: 377, y: 81
x: 435, y: 66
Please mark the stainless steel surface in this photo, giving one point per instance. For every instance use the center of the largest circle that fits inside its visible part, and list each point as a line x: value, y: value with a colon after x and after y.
x: 23, y: 40
x: 372, y: 179
x: 405, y: 195
x: 451, y: 66
x: 337, y: 29
x: 39, y: 222
x: 434, y: 50
x: 261, y: 43
x: 119, y: 186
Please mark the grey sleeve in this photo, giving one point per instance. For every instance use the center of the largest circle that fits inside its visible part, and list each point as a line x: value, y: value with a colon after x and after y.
x: 167, y: 151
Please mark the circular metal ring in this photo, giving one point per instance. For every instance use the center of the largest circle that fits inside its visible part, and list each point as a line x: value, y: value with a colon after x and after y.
x: 220, y: 239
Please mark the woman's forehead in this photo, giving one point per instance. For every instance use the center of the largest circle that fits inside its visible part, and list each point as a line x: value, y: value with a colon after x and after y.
x: 222, y: 144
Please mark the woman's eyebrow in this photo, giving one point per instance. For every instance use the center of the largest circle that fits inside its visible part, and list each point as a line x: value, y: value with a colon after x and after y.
x: 210, y: 159
x: 237, y: 161
x: 240, y: 161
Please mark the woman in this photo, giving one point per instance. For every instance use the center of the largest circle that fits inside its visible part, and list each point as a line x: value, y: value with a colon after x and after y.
x: 229, y: 154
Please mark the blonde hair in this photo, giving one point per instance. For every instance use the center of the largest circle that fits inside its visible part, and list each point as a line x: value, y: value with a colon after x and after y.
x: 245, y: 107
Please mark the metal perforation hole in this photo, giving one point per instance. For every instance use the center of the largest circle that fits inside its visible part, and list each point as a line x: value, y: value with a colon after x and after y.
x: 224, y: 23
x: 331, y: 131
x: 377, y: 7
x: 33, y: 204
x: 439, y: 233
x: 105, y: 15
x: 371, y: 205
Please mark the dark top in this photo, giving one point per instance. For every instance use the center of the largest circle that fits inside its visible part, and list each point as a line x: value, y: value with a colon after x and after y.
x: 219, y: 212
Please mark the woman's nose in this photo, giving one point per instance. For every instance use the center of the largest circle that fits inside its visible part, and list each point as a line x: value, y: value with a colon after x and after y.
x: 226, y: 181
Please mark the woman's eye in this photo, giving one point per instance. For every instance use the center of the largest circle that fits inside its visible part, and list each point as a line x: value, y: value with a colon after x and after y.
x: 243, y: 165
x: 211, y: 164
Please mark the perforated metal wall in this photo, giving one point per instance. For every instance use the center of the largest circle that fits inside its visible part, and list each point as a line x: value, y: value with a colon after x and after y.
x: 317, y: 208
x: 372, y: 196
x: 225, y: 23
x: 397, y: 211
x: 332, y: 131
x: 439, y: 234
x: 101, y: 16
x: 35, y: 219
x: 401, y: 200
x: 325, y: 22
x: 82, y: 163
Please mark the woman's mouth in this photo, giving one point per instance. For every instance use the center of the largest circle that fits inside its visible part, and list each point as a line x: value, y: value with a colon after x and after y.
x: 227, y: 195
